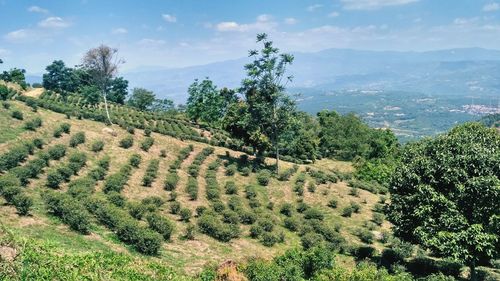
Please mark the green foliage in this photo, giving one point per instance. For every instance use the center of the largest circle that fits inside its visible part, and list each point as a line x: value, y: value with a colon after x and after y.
x: 185, y: 214
x: 15, y: 75
x: 231, y: 170
x: 151, y: 172
x: 231, y: 188
x: 77, y: 139
x: 262, y: 119
x: 346, y: 137
x: 127, y: 142
x: 23, y: 203
x: 33, y: 124
x: 210, y: 225
x: 147, y: 143
x: 313, y: 214
x: 171, y: 181
x: 141, y: 99
x: 69, y: 210
x: 206, y: 103
x: 192, y: 188
x: 263, y: 177
x: 135, y: 160
x: 57, y: 151
x: 445, y: 193
x: 160, y: 224
x: 97, y: 146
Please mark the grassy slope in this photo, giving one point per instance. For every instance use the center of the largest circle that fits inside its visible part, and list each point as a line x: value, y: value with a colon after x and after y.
x: 183, y: 255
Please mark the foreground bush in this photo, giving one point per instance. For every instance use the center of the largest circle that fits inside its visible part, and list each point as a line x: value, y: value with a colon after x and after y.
x: 69, y: 210
x: 77, y: 139
x: 160, y: 224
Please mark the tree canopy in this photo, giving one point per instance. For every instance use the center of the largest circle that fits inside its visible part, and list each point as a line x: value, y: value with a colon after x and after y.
x: 445, y: 194
x: 141, y: 99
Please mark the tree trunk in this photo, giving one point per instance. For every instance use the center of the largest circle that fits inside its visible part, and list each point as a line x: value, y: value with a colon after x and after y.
x: 106, y: 106
x: 473, y: 276
x: 277, y: 160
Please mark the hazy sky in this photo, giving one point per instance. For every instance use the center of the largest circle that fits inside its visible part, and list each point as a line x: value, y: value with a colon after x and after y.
x: 174, y: 33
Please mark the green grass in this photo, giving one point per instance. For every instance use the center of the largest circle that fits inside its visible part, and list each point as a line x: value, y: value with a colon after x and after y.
x: 11, y: 128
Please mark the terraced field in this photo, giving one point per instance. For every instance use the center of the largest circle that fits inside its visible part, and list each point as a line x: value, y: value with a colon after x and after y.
x: 169, y: 199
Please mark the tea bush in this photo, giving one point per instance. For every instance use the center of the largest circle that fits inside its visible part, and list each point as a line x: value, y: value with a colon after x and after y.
x: 77, y: 139
x: 126, y: 142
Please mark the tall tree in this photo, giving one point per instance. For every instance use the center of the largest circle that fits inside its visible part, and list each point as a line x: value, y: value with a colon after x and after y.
x: 15, y: 75
x: 269, y: 107
x: 208, y: 104
x: 445, y: 194
x: 60, y: 78
x: 163, y: 105
x: 102, y: 65
x: 141, y: 99
x: 118, y: 90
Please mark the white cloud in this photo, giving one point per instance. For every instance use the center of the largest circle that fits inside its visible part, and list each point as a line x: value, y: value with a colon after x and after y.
x: 291, y: 21
x: 314, y: 7
x: 169, y: 18
x: 333, y: 14
x: 264, y: 17
x: 119, y: 30
x: 491, y: 7
x: 465, y: 21
x: 37, y: 9
x: 228, y: 26
x: 373, y: 4
x: 53, y: 22
x: 151, y: 43
x: 262, y: 23
x: 17, y: 35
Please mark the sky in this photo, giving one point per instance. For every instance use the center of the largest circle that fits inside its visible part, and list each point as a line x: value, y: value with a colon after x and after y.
x: 178, y: 33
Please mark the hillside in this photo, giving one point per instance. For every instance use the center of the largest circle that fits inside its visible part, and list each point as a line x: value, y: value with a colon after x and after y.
x: 317, y: 195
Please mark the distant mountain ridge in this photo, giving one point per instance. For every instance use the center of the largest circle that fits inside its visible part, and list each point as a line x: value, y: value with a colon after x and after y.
x: 466, y: 71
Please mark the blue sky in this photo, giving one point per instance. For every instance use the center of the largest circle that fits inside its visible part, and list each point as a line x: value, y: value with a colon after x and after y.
x: 176, y: 33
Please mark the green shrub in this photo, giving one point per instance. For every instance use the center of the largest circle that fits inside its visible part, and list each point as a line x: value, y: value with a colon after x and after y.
x: 302, y: 207
x: 365, y: 235
x: 160, y: 224
x: 68, y: 210
x: 135, y: 160
x: 190, y: 231
x: 14, y: 156
x: 245, y: 171
x: 210, y: 225
x: 230, y: 170
x: 23, y: 203
x: 250, y: 192
x: 77, y: 139
x: 54, y: 179
x: 192, y: 188
x: 355, y: 207
x: 147, y: 143
x: 16, y: 114
x: 313, y: 214
x: 311, y: 187
x: 175, y: 207
x: 200, y: 210
x: 126, y: 142
x: 65, y: 127
x: 286, y: 174
x: 171, y: 181
x: 256, y: 231
x: 148, y: 242
x: 34, y: 124
x: 185, y: 214
x: 116, y: 199
x: 97, y: 146
x: 57, y: 151
x: 57, y: 132
x: 310, y: 240
x: 151, y: 172
x: 378, y: 218
x: 292, y: 223
x: 269, y: 239
x: 286, y: 209
x: 231, y: 188
x: 347, y: 211
x: 147, y: 132
x: 332, y: 203
x: 263, y: 177
x: 266, y: 223
x: 82, y: 187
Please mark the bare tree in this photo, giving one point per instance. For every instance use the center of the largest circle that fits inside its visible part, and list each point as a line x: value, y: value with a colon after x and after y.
x: 102, y: 65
